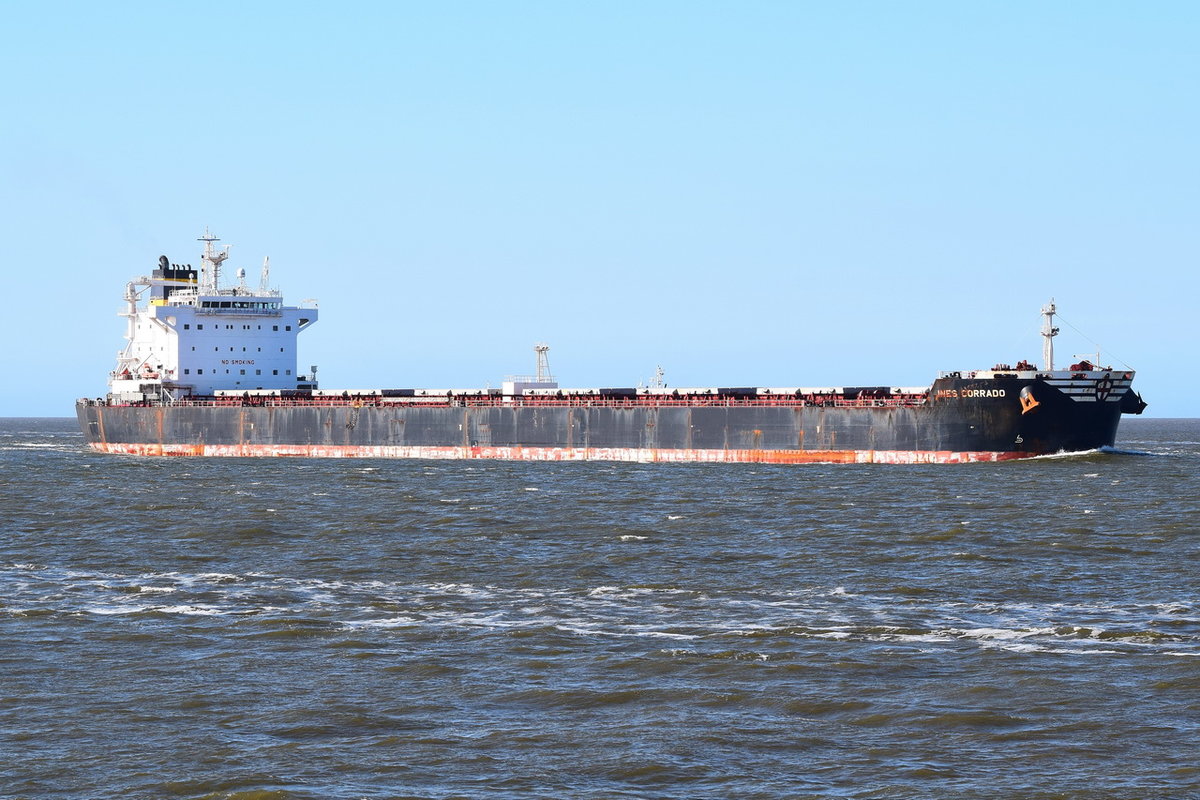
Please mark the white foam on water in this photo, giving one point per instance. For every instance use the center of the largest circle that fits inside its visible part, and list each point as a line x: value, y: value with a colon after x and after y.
x: 461, y: 589
x: 634, y: 592
x: 629, y: 537
x: 912, y: 637
x: 208, y: 577
x: 1016, y: 647
x: 598, y: 629
x: 389, y: 622
x: 674, y: 516
x: 194, y: 611
x: 1065, y: 455
x: 115, y: 610
x: 999, y: 634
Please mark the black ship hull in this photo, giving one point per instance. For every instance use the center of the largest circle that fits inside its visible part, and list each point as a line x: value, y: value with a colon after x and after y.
x: 958, y: 419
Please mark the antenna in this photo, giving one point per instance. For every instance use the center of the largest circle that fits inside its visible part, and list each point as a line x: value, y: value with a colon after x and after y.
x: 266, y: 274
x: 1049, y: 332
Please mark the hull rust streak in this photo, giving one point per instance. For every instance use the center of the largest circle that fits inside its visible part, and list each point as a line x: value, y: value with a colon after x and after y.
x: 638, y: 455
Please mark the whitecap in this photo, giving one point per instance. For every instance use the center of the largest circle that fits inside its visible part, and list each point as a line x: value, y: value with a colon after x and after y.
x: 390, y: 622
x: 115, y: 610
x: 199, y: 611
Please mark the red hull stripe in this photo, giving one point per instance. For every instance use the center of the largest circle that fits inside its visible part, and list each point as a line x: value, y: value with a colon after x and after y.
x: 642, y: 455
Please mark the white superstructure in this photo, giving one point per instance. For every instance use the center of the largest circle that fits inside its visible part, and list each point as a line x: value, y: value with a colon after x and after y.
x: 192, y: 336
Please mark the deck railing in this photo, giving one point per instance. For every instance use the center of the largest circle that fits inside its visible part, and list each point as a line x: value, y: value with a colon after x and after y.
x: 500, y: 401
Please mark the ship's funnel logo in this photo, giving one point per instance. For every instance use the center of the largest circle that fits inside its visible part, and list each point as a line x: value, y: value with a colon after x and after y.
x: 1028, y: 401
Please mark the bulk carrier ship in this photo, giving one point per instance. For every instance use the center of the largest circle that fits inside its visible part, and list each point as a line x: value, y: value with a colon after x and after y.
x: 210, y: 370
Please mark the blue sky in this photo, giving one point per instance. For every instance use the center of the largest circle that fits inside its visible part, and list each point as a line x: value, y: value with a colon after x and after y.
x: 747, y: 193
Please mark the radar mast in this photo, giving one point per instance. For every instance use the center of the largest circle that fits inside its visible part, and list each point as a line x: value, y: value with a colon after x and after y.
x: 210, y: 279
x: 543, y: 363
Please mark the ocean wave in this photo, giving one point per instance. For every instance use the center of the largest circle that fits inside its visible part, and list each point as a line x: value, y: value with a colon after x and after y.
x: 651, y: 612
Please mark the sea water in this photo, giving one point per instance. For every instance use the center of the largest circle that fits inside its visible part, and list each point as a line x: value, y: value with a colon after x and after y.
x: 295, y: 628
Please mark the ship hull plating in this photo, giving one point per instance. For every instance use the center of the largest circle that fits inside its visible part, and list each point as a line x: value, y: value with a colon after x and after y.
x: 960, y: 422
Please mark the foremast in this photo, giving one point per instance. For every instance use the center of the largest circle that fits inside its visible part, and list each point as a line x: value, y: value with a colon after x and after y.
x: 1048, y: 334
